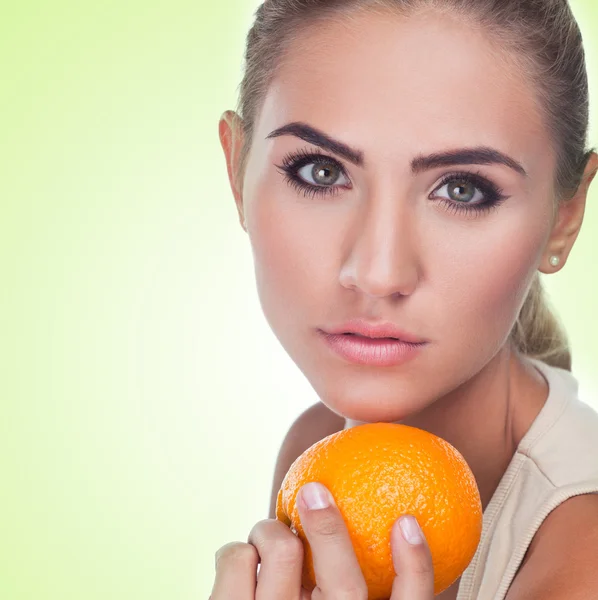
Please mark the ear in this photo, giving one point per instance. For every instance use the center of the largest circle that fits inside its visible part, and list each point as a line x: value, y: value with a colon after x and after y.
x: 231, y: 137
x: 568, y: 221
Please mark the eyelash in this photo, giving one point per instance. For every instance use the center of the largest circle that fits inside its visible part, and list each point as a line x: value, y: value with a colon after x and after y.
x: 293, y: 161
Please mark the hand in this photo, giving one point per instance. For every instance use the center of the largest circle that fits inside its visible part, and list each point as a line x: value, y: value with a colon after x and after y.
x: 280, y: 555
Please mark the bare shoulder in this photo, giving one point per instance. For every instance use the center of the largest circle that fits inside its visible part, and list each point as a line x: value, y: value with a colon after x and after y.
x: 561, y: 561
x: 310, y: 427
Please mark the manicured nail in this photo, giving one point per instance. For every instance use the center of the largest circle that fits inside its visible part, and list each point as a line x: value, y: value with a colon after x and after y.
x: 411, y: 530
x: 315, y: 496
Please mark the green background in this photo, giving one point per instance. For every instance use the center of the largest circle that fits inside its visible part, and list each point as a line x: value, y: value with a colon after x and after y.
x: 142, y: 395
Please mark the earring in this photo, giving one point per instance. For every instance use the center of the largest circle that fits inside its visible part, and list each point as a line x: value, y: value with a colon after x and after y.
x: 554, y: 261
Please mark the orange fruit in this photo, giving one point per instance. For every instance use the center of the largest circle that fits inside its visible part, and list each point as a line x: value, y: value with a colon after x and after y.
x: 377, y: 472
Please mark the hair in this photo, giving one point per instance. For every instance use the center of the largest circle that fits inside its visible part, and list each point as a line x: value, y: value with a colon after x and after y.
x: 544, y: 40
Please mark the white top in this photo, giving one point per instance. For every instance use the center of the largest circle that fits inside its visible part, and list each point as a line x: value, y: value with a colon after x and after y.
x: 556, y: 460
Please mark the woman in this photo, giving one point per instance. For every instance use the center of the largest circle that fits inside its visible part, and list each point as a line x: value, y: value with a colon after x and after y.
x: 405, y: 169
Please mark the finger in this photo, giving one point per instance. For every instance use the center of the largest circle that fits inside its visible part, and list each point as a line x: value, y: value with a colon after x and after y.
x: 305, y: 595
x: 336, y: 567
x: 236, y: 572
x: 412, y: 562
x: 281, y: 561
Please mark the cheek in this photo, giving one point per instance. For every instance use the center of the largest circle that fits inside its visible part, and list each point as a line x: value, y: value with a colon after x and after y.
x: 486, y: 283
x: 293, y: 258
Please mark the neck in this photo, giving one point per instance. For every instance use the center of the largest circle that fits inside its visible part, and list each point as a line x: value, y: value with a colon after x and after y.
x: 486, y: 418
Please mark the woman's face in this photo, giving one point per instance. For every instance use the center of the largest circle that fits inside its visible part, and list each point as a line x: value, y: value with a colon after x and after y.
x: 393, y: 242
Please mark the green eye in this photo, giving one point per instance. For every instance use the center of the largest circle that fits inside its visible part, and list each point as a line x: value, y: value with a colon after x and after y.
x: 468, y: 193
x: 321, y: 173
x: 461, y: 191
x: 314, y: 174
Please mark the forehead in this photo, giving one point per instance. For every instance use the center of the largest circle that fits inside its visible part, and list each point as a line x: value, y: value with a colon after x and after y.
x: 419, y: 83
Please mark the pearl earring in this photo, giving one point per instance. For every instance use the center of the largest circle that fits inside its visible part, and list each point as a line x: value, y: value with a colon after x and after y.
x: 554, y: 261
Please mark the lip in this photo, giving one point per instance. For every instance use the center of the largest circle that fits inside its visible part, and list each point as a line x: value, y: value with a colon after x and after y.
x: 376, y: 330
x: 381, y: 352
x: 379, y: 344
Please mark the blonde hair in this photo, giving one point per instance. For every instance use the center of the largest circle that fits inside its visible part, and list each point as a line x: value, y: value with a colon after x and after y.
x: 542, y: 35
x: 537, y: 331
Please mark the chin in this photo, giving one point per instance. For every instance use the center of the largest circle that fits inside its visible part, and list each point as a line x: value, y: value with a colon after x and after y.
x: 371, y: 405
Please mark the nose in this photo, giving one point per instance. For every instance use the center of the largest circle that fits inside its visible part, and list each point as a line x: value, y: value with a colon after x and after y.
x: 382, y: 256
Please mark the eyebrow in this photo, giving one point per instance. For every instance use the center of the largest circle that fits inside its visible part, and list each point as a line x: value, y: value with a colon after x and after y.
x: 479, y: 155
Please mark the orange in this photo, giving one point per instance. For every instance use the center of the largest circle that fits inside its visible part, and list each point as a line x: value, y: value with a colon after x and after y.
x: 377, y: 472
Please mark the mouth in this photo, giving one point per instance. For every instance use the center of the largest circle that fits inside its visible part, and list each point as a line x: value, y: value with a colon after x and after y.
x: 373, y: 351
x: 367, y: 337
x: 374, y: 330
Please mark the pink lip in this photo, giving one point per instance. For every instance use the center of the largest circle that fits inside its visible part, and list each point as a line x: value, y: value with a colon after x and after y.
x: 381, y: 344
x: 382, y: 352
x: 370, y: 329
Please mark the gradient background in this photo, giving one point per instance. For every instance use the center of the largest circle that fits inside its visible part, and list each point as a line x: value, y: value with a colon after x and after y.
x: 143, y: 397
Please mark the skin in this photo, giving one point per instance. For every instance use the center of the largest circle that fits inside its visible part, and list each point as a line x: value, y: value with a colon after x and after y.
x: 386, y: 247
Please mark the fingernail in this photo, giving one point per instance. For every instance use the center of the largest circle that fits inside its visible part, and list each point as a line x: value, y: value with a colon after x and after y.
x: 411, y: 530
x: 315, y: 496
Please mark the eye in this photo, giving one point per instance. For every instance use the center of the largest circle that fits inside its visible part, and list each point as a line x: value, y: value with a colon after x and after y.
x: 470, y: 193
x: 322, y: 173
x: 313, y: 174
x: 461, y: 190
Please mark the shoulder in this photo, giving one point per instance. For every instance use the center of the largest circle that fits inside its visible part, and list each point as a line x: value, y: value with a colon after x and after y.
x: 310, y: 427
x: 561, y: 560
